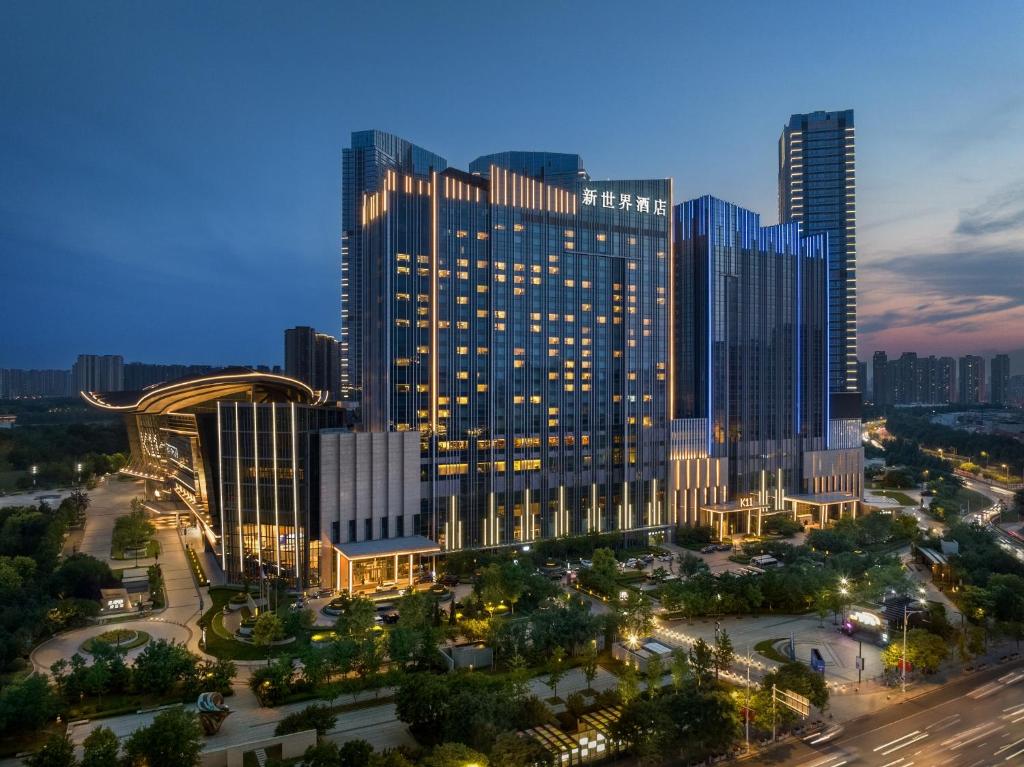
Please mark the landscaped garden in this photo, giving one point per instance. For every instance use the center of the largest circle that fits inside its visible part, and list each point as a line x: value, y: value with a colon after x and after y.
x: 119, y: 639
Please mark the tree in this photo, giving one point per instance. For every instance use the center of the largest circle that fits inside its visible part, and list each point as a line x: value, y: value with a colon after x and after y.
x: 556, y: 670
x: 357, y: 618
x: 268, y: 629
x: 161, y: 665
x: 629, y: 685
x: 679, y: 668
x: 421, y: 701
x: 57, y: 751
x: 638, y: 615
x: 797, y: 677
x: 101, y: 748
x: 925, y: 651
x: 132, y: 531
x: 653, y: 673
x: 82, y: 576
x: 28, y: 704
x: 317, y: 717
x: 273, y: 682
x: 589, y: 664
x: 723, y: 653
x: 603, y: 571
x: 323, y: 754
x: 510, y: 750
x: 454, y: 755
x: 354, y: 753
x: 701, y: 662
x: 174, y: 739
x: 645, y: 726
x: 210, y: 676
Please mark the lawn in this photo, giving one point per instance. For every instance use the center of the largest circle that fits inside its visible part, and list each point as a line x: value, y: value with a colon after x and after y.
x: 896, y: 495
x: 122, y: 639
x: 221, y: 644
x: 766, y: 647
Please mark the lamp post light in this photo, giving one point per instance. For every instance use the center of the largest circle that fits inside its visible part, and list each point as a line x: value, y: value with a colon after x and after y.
x: 78, y: 473
x: 35, y: 471
x: 903, y: 658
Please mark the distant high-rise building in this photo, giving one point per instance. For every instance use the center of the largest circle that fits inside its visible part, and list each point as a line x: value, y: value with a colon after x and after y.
x: 15, y: 383
x: 313, y: 358
x: 139, y: 375
x: 98, y: 372
x: 880, y: 378
x: 1000, y: 379
x: 1015, y: 391
x: 363, y: 165
x: 944, y: 387
x: 972, y: 380
x: 906, y: 379
x: 817, y: 186
x: 862, y: 377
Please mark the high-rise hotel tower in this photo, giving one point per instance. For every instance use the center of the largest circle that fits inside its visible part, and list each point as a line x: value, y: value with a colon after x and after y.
x: 522, y: 329
x: 818, y: 188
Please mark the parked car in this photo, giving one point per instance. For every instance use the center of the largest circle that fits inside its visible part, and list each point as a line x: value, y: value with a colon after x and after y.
x: 723, y: 547
x: 586, y: 563
x: 710, y: 548
x: 450, y: 579
x: 648, y: 558
x: 391, y: 618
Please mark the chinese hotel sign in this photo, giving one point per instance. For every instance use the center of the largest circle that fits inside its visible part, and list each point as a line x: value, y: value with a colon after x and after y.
x: 621, y: 201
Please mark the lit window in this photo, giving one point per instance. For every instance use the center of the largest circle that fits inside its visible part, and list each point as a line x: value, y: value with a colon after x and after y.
x: 462, y: 299
x: 460, y: 324
x: 461, y: 233
x: 518, y: 227
x: 462, y: 350
x: 535, y: 399
x: 462, y: 375
x: 570, y: 233
x: 570, y: 283
x: 401, y: 296
x: 602, y: 237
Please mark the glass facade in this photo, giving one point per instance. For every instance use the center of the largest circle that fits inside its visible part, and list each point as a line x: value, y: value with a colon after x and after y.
x: 751, y: 339
x: 269, y: 487
x: 817, y: 187
x: 554, y: 168
x: 372, y: 153
x: 523, y: 329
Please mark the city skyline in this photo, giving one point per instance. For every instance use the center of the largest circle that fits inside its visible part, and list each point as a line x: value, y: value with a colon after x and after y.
x: 217, y: 169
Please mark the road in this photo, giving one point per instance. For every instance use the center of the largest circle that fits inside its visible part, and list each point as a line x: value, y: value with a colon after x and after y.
x: 973, y: 722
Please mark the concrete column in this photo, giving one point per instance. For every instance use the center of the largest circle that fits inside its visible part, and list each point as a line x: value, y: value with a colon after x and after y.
x: 412, y: 580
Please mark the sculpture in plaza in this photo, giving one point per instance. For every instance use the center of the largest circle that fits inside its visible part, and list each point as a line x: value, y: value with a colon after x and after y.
x: 212, y: 711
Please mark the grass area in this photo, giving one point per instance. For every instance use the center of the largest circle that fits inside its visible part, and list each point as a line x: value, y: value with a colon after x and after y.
x: 9, y: 479
x: 123, y: 639
x: 766, y: 647
x: 896, y: 495
x: 116, y: 705
x: 976, y: 500
x: 220, y: 642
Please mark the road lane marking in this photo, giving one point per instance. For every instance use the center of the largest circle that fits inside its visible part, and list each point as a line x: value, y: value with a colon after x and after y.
x: 922, y: 736
x: 892, y: 764
x: 891, y: 742
x: 1008, y: 746
x: 943, y: 723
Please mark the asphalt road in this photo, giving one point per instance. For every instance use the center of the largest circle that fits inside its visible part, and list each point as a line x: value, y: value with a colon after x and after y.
x: 974, y: 722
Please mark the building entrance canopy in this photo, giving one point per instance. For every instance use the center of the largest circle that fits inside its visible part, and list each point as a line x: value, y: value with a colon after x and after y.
x: 380, y: 565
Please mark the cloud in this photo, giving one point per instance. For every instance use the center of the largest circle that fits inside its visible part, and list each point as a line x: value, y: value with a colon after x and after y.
x: 1002, y: 212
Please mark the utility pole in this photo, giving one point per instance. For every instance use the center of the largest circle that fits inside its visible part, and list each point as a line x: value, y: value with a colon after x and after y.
x: 747, y: 714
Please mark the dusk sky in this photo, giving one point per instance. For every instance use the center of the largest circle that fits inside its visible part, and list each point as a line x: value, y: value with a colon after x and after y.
x: 170, y: 172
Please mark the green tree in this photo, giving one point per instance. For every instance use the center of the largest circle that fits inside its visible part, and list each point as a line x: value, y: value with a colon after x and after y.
x: 272, y: 683
x: 510, y: 750
x: 81, y: 576
x: 925, y: 651
x: 556, y: 670
x: 174, y: 739
x: 603, y: 572
x: 57, y: 751
x: 161, y: 665
x: 679, y: 668
x: 454, y: 755
x: 317, y: 716
x: 629, y: 684
x: 421, y: 701
x: 101, y: 748
x: 637, y: 615
x: 589, y: 664
x: 27, y: 704
x: 323, y: 754
x: 354, y: 753
x: 653, y: 673
x: 798, y: 678
x: 357, y: 618
x: 724, y: 652
x: 702, y: 660
x: 645, y: 725
x: 268, y: 629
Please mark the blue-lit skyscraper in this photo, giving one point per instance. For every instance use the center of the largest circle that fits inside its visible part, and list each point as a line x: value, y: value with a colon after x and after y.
x: 817, y: 187
x: 751, y: 375
x: 363, y: 165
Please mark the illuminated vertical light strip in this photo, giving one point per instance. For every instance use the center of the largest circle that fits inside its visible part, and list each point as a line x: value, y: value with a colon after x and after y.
x: 220, y: 481
x: 433, y: 310
x: 710, y: 319
x: 256, y: 485
x: 561, y: 511
x: 238, y: 499
x: 277, y: 510
x: 295, y: 499
x: 527, y: 518
x: 670, y: 252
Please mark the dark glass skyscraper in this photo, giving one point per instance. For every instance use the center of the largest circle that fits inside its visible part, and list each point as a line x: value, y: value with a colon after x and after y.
x: 555, y: 168
x: 522, y: 328
x: 1000, y: 380
x: 363, y: 166
x: 817, y: 187
x: 312, y: 358
x: 751, y: 346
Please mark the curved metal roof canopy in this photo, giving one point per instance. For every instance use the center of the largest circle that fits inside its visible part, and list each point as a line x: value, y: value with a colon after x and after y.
x: 185, y: 393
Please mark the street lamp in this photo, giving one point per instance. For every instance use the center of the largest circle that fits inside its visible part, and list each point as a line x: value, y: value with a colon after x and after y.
x: 78, y: 473
x: 35, y: 471
x: 903, y: 657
